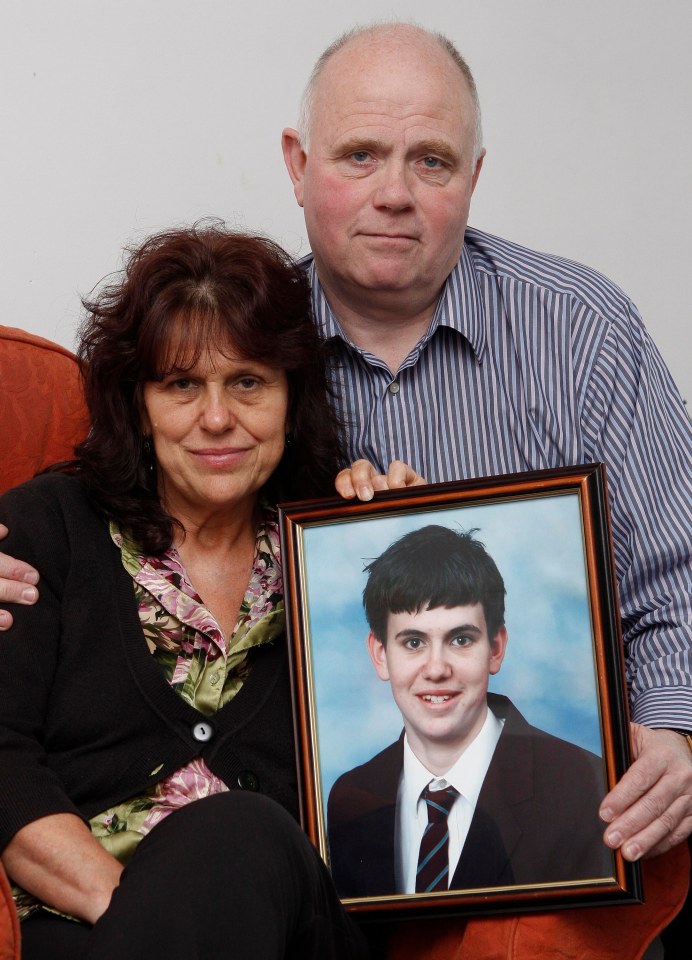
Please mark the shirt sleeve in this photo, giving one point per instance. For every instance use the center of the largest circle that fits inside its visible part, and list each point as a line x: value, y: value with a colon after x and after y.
x: 634, y: 420
x: 29, y: 788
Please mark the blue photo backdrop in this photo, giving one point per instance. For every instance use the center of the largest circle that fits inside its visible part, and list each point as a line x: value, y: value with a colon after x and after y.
x: 549, y: 669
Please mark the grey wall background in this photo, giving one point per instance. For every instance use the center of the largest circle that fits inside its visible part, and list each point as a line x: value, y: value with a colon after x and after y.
x: 119, y: 118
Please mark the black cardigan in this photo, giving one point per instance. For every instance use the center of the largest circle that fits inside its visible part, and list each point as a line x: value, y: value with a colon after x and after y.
x: 87, y: 718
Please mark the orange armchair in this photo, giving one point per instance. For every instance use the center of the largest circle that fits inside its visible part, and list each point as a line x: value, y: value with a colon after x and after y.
x: 43, y: 417
x: 43, y: 413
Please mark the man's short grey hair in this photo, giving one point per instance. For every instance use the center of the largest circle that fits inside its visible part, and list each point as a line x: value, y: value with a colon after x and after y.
x: 307, y: 102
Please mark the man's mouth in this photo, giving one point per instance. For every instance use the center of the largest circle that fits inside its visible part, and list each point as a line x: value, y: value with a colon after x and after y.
x: 436, y: 698
x: 385, y: 235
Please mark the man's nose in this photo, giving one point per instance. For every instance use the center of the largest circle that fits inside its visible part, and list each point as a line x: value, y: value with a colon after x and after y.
x: 437, y: 664
x: 393, y: 190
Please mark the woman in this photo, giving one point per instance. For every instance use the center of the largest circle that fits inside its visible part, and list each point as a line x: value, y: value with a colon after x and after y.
x: 152, y: 672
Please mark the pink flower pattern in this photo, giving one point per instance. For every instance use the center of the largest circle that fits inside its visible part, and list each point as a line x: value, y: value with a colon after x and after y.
x: 188, y: 641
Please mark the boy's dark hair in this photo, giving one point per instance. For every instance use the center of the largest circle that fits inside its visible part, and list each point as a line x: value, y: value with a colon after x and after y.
x: 433, y: 567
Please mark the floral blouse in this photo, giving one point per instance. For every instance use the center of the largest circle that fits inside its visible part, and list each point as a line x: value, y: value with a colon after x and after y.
x: 203, y: 666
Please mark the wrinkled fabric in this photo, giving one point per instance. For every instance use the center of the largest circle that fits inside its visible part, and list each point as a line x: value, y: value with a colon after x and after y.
x: 589, y: 933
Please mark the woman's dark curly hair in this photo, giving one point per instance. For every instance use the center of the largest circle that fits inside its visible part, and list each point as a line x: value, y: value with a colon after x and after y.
x: 185, y: 292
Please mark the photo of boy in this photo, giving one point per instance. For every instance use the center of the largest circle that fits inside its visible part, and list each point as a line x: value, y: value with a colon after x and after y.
x: 471, y: 794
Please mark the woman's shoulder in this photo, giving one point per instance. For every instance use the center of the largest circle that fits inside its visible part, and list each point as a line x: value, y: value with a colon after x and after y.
x: 56, y: 485
x: 54, y: 493
x: 51, y: 517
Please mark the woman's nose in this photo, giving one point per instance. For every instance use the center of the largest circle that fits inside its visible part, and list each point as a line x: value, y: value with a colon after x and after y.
x: 217, y: 413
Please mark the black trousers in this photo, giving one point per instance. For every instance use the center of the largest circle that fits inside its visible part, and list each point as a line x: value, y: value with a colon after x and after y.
x: 231, y: 877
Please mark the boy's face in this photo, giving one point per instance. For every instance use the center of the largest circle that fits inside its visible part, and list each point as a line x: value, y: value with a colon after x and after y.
x: 438, y: 663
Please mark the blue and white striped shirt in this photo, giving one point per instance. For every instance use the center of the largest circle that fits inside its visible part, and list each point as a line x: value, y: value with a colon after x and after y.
x: 532, y: 361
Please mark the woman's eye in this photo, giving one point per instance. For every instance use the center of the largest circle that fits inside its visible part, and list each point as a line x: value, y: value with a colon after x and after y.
x: 182, y: 383
x: 247, y: 383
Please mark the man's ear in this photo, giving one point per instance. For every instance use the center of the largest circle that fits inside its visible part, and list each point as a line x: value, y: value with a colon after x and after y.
x: 378, y: 655
x: 477, y: 171
x: 295, y: 159
x: 498, y: 646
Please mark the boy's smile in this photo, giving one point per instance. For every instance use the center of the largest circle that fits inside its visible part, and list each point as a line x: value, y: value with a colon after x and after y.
x: 438, y: 663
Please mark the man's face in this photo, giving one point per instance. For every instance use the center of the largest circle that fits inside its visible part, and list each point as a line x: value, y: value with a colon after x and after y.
x: 388, y: 179
x: 438, y: 663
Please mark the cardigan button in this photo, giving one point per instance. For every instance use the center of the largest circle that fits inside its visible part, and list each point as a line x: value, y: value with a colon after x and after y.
x: 202, y: 732
x: 248, y: 781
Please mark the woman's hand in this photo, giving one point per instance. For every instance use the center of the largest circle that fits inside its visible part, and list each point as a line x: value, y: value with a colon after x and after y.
x: 361, y: 479
x: 58, y: 860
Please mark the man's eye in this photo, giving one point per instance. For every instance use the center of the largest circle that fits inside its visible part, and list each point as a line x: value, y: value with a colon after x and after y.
x: 462, y: 640
x: 413, y: 643
x: 360, y: 156
x: 432, y: 163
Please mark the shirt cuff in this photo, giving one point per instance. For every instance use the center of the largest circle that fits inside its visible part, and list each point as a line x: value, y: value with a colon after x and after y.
x: 669, y: 707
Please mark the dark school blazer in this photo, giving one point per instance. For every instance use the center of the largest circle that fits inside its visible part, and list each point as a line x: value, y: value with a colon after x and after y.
x: 536, y: 820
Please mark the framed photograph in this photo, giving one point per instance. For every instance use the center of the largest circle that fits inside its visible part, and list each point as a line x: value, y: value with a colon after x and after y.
x: 459, y: 693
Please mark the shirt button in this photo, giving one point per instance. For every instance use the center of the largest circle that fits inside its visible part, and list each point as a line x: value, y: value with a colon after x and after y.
x: 393, y: 387
x: 248, y: 781
x: 214, y: 679
x: 202, y: 732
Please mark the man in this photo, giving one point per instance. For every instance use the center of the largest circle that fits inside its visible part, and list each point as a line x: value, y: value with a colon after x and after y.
x: 465, y: 355
x: 471, y: 795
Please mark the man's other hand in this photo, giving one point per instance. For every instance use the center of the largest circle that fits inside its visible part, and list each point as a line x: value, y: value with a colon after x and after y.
x: 650, y: 809
x: 17, y: 583
x: 362, y: 479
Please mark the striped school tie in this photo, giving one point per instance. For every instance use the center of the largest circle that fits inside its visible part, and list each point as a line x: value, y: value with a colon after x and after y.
x: 433, y: 859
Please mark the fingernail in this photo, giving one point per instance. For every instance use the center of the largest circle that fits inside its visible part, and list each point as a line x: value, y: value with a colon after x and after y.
x: 4, y: 620
x: 632, y: 851
x: 606, y: 814
x: 30, y: 577
x: 614, y: 839
x: 365, y: 493
x: 29, y: 594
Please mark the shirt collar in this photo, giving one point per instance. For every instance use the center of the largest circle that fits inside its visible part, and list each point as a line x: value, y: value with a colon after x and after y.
x: 267, y: 569
x: 466, y: 775
x: 459, y: 306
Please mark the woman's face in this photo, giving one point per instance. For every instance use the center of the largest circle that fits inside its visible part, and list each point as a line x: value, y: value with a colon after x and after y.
x: 218, y: 430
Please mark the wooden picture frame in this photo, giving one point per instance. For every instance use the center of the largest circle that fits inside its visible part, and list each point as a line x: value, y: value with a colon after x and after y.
x: 548, y: 534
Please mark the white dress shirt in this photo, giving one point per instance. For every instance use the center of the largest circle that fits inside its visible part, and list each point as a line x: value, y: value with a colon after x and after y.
x: 466, y: 776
